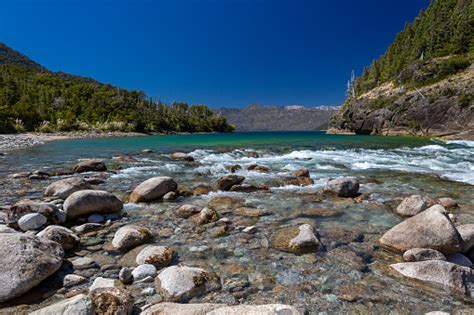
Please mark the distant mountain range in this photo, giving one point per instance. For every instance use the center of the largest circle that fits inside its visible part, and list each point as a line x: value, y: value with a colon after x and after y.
x: 276, y: 118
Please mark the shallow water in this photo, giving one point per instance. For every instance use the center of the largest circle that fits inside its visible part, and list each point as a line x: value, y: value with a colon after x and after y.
x: 350, y: 260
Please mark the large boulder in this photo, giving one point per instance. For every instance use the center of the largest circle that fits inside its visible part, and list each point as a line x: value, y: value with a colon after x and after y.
x: 65, y: 187
x: 342, y: 187
x: 112, y: 301
x: 80, y: 304
x: 159, y: 256
x: 269, y: 309
x: 181, y: 156
x: 25, y: 261
x: 411, y: 205
x: 226, y: 182
x: 466, y: 232
x: 431, y: 228
x: 438, y: 272
x: 296, y: 240
x: 89, y: 166
x: 153, y: 188
x: 59, y: 234
x: 181, y: 283
x: 130, y: 236
x: 85, y: 202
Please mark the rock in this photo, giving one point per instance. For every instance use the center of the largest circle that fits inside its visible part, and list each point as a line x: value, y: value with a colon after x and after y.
x: 182, y: 157
x: 159, y: 256
x: 296, y: 240
x: 100, y: 282
x: 65, y: 187
x: 112, y: 301
x: 448, y: 203
x: 296, y: 181
x: 315, y: 212
x: 89, y: 166
x: 87, y: 227
x: 438, y: 272
x: 250, y: 229
x: 125, y: 275
x: 81, y: 263
x: 466, y: 232
x: 338, y: 235
x: 167, y: 308
x: 225, y: 183
x: 143, y: 271
x: 38, y: 175
x: 85, y: 202
x: 19, y: 209
x: 95, y: 218
x: 429, y: 229
x: 130, y: 236
x: 153, y: 188
x: 32, y: 221
x: 251, y: 212
x: 233, y: 168
x: 342, y: 187
x: 302, y: 172
x: 247, y: 188
x: 181, y: 283
x: 219, y: 231
x: 146, y: 151
x: 6, y: 229
x: 25, y: 261
x: 170, y: 196
x: 459, y: 259
x: 411, y: 206
x: 206, y: 215
x: 72, y: 280
x: 225, y: 202
x: 185, y: 211
x: 80, y: 304
x: 202, y: 189
x: 61, y: 235
x: 269, y: 309
x: 258, y: 168
x: 422, y: 254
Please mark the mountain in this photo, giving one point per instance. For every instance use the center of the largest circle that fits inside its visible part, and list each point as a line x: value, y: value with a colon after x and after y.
x: 423, y: 84
x: 274, y: 118
x: 35, y: 99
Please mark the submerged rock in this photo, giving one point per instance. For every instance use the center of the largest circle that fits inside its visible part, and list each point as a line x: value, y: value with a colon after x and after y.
x: 225, y: 183
x: 412, y: 205
x: 182, y: 157
x: 429, y: 229
x: 225, y: 202
x: 130, y: 236
x: 181, y: 283
x: 153, y: 189
x: 159, y: 256
x: 296, y: 240
x: 25, y: 261
x: 89, y: 166
x: 112, y: 301
x: 422, y: 254
x: 342, y: 187
x: 64, y: 236
x: 65, y: 187
x: 206, y: 215
x: 251, y: 212
x: 438, y: 272
x: 85, y: 202
x: 80, y: 304
x: 185, y: 211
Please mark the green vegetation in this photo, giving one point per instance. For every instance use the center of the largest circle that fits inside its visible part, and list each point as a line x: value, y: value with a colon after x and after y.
x: 445, y: 28
x: 32, y: 98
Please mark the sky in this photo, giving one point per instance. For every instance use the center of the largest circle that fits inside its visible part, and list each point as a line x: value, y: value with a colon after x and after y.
x: 222, y: 53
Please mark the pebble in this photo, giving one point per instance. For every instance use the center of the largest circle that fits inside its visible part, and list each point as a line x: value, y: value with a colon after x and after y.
x: 125, y: 275
x: 32, y: 221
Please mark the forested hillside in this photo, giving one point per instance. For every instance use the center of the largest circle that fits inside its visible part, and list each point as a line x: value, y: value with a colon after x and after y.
x: 32, y: 98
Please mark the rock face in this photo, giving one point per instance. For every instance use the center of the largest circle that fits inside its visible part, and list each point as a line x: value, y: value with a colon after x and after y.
x: 153, y: 189
x: 85, y: 202
x: 225, y: 183
x: 89, y: 166
x: 182, y: 157
x: 296, y: 240
x: 422, y: 254
x: 25, y: 261
x: 59, y: 234
x: 130, y: 236
x: 159, y: 256
x: 269, y: 309
x: 65, y: 187
x: 32, y: 221
x: 411, y: 206
x: 431, y: 228
x: 180, y: 284
x: 466, y: 232
x: 342, y: 187
x: 112, y: 301
x: 79, y: 304
x: 438, y: 272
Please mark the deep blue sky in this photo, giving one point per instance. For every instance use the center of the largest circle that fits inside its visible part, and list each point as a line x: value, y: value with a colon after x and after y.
x: 217, y: 52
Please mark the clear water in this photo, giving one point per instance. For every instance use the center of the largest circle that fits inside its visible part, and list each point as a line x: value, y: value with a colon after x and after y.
x: 388, y: 167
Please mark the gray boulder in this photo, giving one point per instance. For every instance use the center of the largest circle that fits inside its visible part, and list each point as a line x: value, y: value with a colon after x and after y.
x: 153, y: 189
x: 25, y: 261
x: 65, y: 187
x: 412, y: 205
x: 85, y: 202
x: 342, y: 187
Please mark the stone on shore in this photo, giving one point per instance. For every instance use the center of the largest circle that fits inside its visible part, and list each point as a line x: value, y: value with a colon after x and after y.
x: 130, y: 236
x: 112, y: 301
x: 342, y: 187
x: 25, y: 261
x: 153, y: 189
x: 422, y: 254
x: 298, y: 240
x: 101, y: 282
x: 206, y: 215
x: 269, y: 309
x: 448, y: 203
x: 80, y: 304
x: 181, y: 283
x: 438, y: 272
x: 125, y: 275
x: 32, y: 221
x: 71, y: 280
x: 412, y: 205
x: 466, y: 232
x: 181, y: 156
x: 225, y: 183
x: 89, y: 166
x: 59, y: 234
x: 49, y: 210
x: 85, y: 202
x: 143, y: 271
x: 431, y: 228
x: 65, y: 187
x: 159, y: 256
x: 185, y: 211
